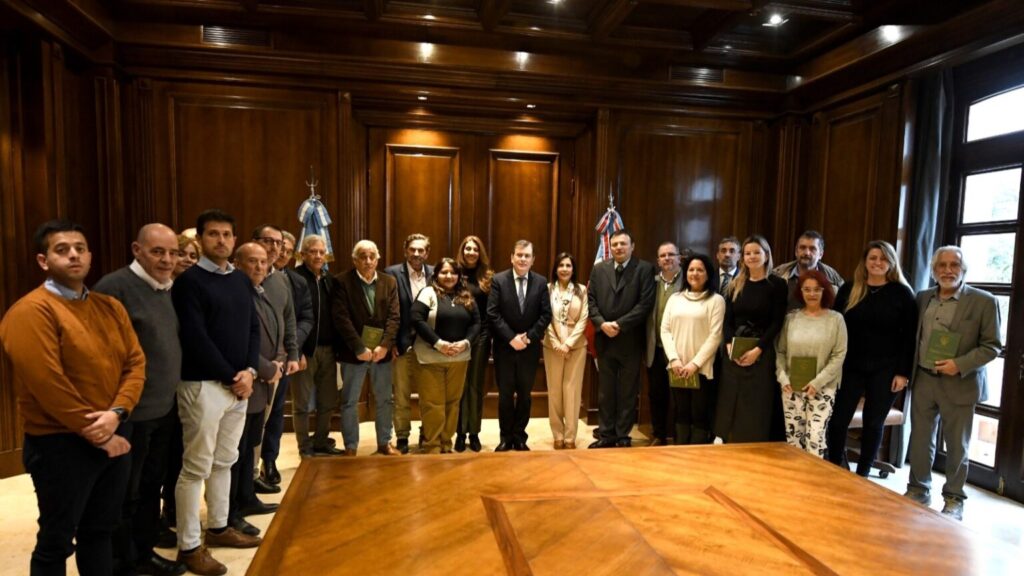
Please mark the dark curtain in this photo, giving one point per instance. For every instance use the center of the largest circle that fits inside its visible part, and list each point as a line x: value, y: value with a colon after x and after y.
x: 930, y: 194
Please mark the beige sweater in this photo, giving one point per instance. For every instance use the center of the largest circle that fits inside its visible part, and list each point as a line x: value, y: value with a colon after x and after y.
x: 691, y: 329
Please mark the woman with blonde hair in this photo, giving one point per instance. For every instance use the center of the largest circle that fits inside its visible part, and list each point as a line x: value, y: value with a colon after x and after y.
x: 755, y: 307
x: 189, y: 250
x: 881, y: 320
x: 565, y: 351
x: 477, y: 274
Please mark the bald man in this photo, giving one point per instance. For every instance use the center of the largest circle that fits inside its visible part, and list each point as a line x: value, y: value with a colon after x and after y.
x: 144, y: 288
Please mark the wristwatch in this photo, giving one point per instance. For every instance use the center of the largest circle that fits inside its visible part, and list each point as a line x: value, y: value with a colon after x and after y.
x: 122, y: 414
x: 253, y: 371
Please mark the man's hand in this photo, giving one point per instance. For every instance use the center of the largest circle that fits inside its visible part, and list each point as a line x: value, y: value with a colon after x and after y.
x: 366, y: 356
x: 291, y: 368
x: 278, y: 371
x: 379, y: 353
x: 898, y: 383
x: 103, y: 426
x: 116, y: 446
x: 610, y: 329
x: 242, y: 384
x: 303, y: 363
x: 519, y: 343
x: 947, y: 367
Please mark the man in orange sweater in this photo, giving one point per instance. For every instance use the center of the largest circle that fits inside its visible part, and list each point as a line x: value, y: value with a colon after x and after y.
x: 78, y: 373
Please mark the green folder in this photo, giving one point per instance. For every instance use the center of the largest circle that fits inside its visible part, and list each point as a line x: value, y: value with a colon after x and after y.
x: 692, y: 383
x: 372, y: 337
x: 802, y: 369
x: 741, y: 345
x: 942, y: 345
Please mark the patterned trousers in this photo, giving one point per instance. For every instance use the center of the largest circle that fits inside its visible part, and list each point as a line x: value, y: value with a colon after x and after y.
x: 807, y: 419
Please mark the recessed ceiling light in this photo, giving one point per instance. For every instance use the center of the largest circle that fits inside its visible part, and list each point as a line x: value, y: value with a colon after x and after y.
x: 728, y: 46
x: 535, y: 28
x: 421, y: 98
x: 428, y: 17
x: 554, y: 1
x: 531, y: 106
x: 426, y: 49
x: 522, y: 58
x: 775, y: 20
x: 891, y: 33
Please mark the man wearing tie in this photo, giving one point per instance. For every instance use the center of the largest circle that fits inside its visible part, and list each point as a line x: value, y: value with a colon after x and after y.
x: 519, y: 309
x: 621, y: 297
x: 728, y: 258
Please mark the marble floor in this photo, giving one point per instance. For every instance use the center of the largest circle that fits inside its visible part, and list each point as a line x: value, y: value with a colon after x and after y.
x: 985, y: 512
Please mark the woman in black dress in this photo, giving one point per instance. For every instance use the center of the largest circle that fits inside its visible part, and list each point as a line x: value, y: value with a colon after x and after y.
x: 476, y: 269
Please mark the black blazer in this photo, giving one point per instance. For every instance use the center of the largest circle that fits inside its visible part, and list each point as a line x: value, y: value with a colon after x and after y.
x: 406, y: 333
x: 503, y: 310
x: 628, y: 303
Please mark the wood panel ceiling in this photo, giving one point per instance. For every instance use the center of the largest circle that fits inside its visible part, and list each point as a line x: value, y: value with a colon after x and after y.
x: 566, y: 56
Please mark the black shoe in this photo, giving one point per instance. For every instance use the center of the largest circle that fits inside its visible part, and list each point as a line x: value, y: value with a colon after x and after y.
x: 460, y: 443
x: 521, y: 447
x: 504, y: 446
x: 402, y: 444
x: 327, y: 450
x: 166, y: 538
x: 474, y: 442
x: 605, y: 443
x: 264, y: 487
x: 157, y: 565
x: 624, y: 443
x: 243, y: 526
x: 257, y: 508
x: 270, y: 472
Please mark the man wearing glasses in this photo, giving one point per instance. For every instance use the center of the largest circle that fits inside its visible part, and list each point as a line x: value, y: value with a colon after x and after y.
x: 668, y: 281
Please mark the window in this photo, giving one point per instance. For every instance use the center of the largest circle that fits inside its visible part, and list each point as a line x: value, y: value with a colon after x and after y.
x: 1000, y: 114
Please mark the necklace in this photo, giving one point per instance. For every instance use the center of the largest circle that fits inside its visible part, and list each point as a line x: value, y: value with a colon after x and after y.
x: 875, y: 289
x: 563, y: 298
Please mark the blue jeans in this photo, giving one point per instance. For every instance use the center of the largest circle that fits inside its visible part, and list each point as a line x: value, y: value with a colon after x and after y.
x: 352, y: 376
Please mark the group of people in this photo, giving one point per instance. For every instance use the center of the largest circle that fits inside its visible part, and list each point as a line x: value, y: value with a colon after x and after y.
x: 171, y: 373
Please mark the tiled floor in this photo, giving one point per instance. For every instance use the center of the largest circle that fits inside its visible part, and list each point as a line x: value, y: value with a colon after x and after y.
x: 985, y: 512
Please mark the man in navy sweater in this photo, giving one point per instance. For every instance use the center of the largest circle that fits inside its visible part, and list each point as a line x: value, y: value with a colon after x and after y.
x: 220, y: 345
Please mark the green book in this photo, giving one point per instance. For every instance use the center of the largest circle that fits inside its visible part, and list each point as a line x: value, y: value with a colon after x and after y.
x: 692, y: 383
x: 802, y: 369
x: 942, y: 345
x: 372, y: 337
x: 741, y: 345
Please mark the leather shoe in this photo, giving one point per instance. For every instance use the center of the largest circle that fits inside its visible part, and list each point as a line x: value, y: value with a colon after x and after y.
x: 603, y: 443
x: 460, y: 442
x: 350, y: 451
x: 504, y: 447
x: 264, y: 487
x: 402, y: 445
x: 270, y: 472
x: 570, y: 444
x: 230, y: 538
x: 387, y: 450
x: 166, y: 538
x: 521, y: 447
x: 327, y: 451
x: 474, y: 442
x: 243, y: 526
x: 257, y: 508
x: 157, y: 565
x: 624, y: 443
x: 199, y: 561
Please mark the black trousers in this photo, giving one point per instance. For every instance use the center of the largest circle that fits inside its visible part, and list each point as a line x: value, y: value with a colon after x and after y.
x: 618, y: 383
x: 274, y: 428
x: 692, y: 407
x: 136, y: 535
x: 876, y: 388
x: 243, y: 491
x: 80, y: 491
x: 659, y: 395
x: 173, y: 468
x: 515, y: 373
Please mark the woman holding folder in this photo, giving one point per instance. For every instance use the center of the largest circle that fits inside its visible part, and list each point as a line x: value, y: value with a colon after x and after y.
x: 755, y: 306
x: 691, y: 330
x: 809, y: 365
x: 447, y: 321
x: 881, y: 320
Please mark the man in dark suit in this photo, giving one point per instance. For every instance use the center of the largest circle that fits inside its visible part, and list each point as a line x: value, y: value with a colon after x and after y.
x: 412, y: 276
x: 949, y: 388
x: 621, y: 297
x: 519, y: 310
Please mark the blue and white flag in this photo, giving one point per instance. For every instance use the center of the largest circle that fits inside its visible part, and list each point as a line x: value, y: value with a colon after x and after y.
x: 609, y: 223
x: 315, y: 220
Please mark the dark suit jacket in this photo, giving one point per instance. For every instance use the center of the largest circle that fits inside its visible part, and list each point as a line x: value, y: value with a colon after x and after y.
x: 629, y: 303
x: 977, y: 321
x: 303, y: 305
x: 271, y: 349
x: 400, y: 272
x: 350, y: 314
x: 503, y: 310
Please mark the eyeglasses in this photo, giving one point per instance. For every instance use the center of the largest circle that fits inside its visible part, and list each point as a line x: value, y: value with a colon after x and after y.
x: 271, y: 241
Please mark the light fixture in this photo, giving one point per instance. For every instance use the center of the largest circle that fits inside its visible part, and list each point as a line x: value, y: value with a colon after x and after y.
x: 556, y: 2
x: 426, y: 50
x: 892, y: 33
x: 531, y: 106
x: 522, y: 58
x: 421, y: 98
x: 727, y: 46
x: 429, y: 17
x: 775, y: 20
x: 535, y: 28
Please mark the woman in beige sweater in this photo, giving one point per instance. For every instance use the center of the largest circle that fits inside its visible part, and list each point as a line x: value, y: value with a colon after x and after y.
x: 691, y: 330
x: 565, y: 351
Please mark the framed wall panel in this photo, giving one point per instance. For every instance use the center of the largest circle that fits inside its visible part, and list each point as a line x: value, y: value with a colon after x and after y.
x: 422, y: 194
x: 523, y: 204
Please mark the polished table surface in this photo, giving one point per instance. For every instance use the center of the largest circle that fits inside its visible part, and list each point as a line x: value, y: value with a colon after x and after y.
x: 735, y: 509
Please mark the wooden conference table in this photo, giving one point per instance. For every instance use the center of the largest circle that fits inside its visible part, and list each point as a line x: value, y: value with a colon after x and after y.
x: 735, y: 509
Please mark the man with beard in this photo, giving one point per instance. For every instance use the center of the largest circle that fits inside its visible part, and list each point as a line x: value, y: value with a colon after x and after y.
x: 810, y: 248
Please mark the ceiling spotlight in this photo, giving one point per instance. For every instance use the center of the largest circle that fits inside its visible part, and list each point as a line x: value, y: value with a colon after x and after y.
x: 891, y: 33
x: 429, y: 17
x: 531, y: 106
x: 775, y: 20
x: 535, y: 28
x: 426, y: 50
x: 554, y: 1
x: 421, y: 98
x: 522, y: 58
x: 727, y: 46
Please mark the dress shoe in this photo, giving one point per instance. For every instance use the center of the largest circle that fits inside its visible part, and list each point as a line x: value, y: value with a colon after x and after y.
x: 624, y: 443
x: 270, y: 472
x: 350, y: 451
x: 559, y: 444
x: 327, y: 451
x: 387, y: 450
x: 603, y: 443
x: 521, y: 447
x: 256, y: 508
x: 303, y: 454
x: 157, y: 565
x: 919, y: 495
x: 474, y: 442
x: 504, y: 447
x: 231, y: 538
x: 402, y: 445
x: 953, y: 508
x: 199, y: 561
x: 460, y: 442
x: 264, y: 487
x: 166, y: 538
x: 243, y: 526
